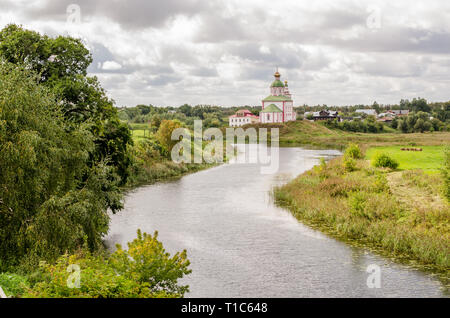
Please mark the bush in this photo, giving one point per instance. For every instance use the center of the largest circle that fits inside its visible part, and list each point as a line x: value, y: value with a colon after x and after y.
x: 13, y: 284
x: 445, y: 171
x: 164, y: 134
x: 353, y: 151
x: 349, y: 164
x: 144, y: 270
x: 382, y: 160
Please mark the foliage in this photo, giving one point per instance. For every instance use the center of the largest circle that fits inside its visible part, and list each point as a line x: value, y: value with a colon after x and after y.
x: 349, y: 163
x: 445, y: 171
x: 363, y: 206
x: 419, y: 122
x: 52, y: 197
x: 13, y: 284
x: 164, y: 134
x: 353, y: 151
x: 146, y: 261
x: 384, y: 161
x: 428, y: 160
x: 368, y: 125
x: 61, y: 64
x: 144, y: 270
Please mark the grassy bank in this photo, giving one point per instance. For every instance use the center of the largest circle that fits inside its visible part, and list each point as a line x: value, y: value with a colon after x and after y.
x: 429, y: 159
x: 397, y: 213
x: 152, y: 172
x: 304, y: 132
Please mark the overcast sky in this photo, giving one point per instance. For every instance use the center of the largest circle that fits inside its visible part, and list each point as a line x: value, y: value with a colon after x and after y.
x: 173, y: 52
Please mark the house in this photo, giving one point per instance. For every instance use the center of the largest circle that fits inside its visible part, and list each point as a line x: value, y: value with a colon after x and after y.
x: 278, y: 106
x: 323, y: 115
x: 389, y: 114
x: 242, y: 117
x: 368, y: 112
x: 385, y: 119
x: 400, y: 112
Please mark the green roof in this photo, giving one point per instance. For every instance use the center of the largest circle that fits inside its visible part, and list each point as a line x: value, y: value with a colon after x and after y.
x: 280, y: 98
x: 277, y: 83
x: 272, y: 108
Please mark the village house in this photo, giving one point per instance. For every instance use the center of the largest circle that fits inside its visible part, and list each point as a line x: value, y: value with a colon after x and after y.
x: 368, y: 112
x: 322, y: 115
x: 400, y: 112
x: 242, y: 117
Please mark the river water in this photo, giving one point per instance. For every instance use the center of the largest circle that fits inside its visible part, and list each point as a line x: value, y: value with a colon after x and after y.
x: 241, y: 245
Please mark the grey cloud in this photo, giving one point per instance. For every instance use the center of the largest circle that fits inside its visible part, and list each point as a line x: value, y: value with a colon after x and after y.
x: 397, y: 39
x: 131, y: 14
x: 204, y: 72
x: 163, y: 79
x: 215, y: 29
x: 279, y: 55
x: 7, y: 5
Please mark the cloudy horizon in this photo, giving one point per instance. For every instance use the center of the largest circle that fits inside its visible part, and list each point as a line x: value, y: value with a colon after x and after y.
x: 225, y: 53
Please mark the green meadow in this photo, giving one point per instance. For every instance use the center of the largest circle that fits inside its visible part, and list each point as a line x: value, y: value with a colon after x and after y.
x: 430, y: 159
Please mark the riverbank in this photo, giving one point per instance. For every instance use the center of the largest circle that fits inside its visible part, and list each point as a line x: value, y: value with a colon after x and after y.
x: 401, y: 214
x: 304, y: 132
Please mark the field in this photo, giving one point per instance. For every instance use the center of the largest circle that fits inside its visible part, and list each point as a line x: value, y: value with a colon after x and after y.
x: 429, y: 160
x: 303, y: 132
x: 140, y: 131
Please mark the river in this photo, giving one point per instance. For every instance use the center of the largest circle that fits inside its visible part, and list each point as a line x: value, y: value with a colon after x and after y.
x: 241, y: 245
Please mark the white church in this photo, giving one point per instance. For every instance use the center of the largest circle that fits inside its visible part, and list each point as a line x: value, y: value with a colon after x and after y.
x: 278, y: 107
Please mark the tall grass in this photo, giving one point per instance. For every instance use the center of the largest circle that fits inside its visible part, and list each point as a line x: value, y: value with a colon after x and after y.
x: 360, y: 207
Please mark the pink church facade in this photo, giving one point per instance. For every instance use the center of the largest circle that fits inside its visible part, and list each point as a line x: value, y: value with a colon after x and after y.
x: 278, y: 107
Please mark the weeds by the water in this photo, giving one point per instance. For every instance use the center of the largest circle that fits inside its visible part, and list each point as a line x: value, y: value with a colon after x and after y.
x: 363, y: 206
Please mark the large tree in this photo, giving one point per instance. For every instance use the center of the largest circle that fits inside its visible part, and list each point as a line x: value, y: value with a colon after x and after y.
x: 53, y: 197
x: 61, y: 64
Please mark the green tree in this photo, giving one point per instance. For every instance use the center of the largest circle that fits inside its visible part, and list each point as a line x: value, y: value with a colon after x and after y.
x: 155, y: 122
x: 61, y: 64
x: 420, y: 104
x: 144, y: 270
x: 164, y: 134
x: 52, y: 197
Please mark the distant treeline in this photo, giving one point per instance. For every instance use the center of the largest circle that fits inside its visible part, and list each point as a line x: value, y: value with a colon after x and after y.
x: 212, y: 116
x: 424, y: 116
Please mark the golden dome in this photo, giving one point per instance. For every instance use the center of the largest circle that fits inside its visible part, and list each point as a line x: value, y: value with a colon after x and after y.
x: 277, y: 74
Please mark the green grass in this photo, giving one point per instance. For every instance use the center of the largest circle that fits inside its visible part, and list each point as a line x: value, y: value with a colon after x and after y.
x: 139, y: 126
x: 303, y: 132
x: 397, y: 214
x: 430, y: 159
x: 140, y: 134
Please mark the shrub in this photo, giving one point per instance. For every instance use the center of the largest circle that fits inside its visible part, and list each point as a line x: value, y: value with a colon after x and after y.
x: 374, y: 206
x: 13, y: 284
x: 349, y: 164
x: 338, y: 186
x: 384, y: 161
x: 353, y: 151
x: 164, y: 134
x: 144, y: 270
x: 445, y: 171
